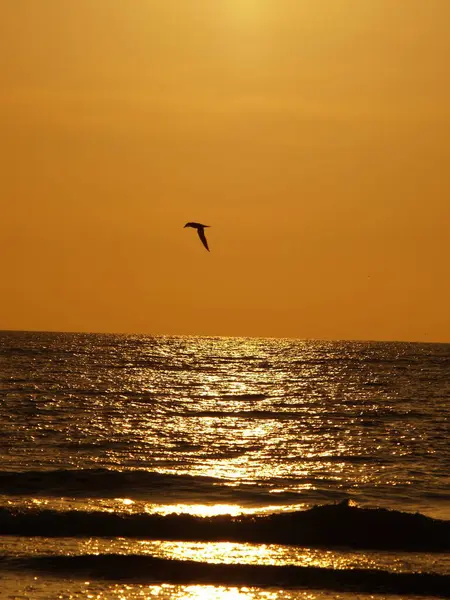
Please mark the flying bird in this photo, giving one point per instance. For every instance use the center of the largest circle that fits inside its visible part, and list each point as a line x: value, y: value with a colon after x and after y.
x: 201, y: 232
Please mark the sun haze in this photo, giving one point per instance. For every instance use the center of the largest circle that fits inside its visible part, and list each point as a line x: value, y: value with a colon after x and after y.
x: 313, y: 137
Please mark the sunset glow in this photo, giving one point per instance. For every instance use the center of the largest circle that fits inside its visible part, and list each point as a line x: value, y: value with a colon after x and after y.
x: 312, y: 136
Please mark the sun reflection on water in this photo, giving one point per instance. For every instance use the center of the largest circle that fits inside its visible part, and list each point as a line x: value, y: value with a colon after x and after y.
x: 42, y: 588
x: 211, y: 592
x: 233, y: 553
x: 200, y: 510
x: 130, y: 507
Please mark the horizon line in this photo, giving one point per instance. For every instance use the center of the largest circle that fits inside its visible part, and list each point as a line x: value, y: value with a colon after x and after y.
x: 206, y: 336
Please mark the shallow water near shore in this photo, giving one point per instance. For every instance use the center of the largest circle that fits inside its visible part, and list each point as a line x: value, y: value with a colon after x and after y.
x: 215, y: 451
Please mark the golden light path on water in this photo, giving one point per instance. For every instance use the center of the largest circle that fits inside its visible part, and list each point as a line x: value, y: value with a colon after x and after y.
x: 239, y: 414
x: 223, y: 419
x: 28, y: 587
x: 232, y: 553
x: 129, y: 506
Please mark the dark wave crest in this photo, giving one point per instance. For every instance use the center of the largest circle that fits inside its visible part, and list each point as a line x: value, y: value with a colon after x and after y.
x: 140, y: 484
x: 148, y: 569
x: 107, y: 483
x: 336, y: 525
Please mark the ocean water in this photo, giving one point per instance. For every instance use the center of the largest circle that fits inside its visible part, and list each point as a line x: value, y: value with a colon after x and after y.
x: 184, y: 467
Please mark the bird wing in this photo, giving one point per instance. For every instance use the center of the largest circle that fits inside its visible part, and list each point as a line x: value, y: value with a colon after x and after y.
x: 201, y: 235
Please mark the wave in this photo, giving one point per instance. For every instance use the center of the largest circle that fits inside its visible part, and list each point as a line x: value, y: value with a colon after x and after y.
x: 150, y: 486
x: 167, y: 488
x: 136, y: 483
x: 330, y: 525
x: 148, y: 569
x: 104, y: 483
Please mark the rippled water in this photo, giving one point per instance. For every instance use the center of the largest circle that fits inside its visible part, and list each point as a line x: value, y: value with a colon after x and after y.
x: 145, y: 425
x: 288, y: 421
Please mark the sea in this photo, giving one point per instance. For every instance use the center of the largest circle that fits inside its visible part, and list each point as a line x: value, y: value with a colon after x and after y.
x: 138, y: 466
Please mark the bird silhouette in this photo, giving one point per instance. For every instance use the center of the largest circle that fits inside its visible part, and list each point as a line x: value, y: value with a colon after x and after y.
x: 201, y: 232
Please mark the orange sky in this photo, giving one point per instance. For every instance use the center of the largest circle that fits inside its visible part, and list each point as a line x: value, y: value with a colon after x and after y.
x: 313, y: 136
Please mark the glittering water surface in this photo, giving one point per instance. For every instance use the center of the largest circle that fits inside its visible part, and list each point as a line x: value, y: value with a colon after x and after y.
x: 316, y: 420
x: 144, y: 425
x: 233, y: 553
x: 27, y: 588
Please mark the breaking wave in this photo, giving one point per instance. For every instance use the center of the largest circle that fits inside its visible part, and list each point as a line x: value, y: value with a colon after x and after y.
x: 331, y: 525
x: 132, y: 568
